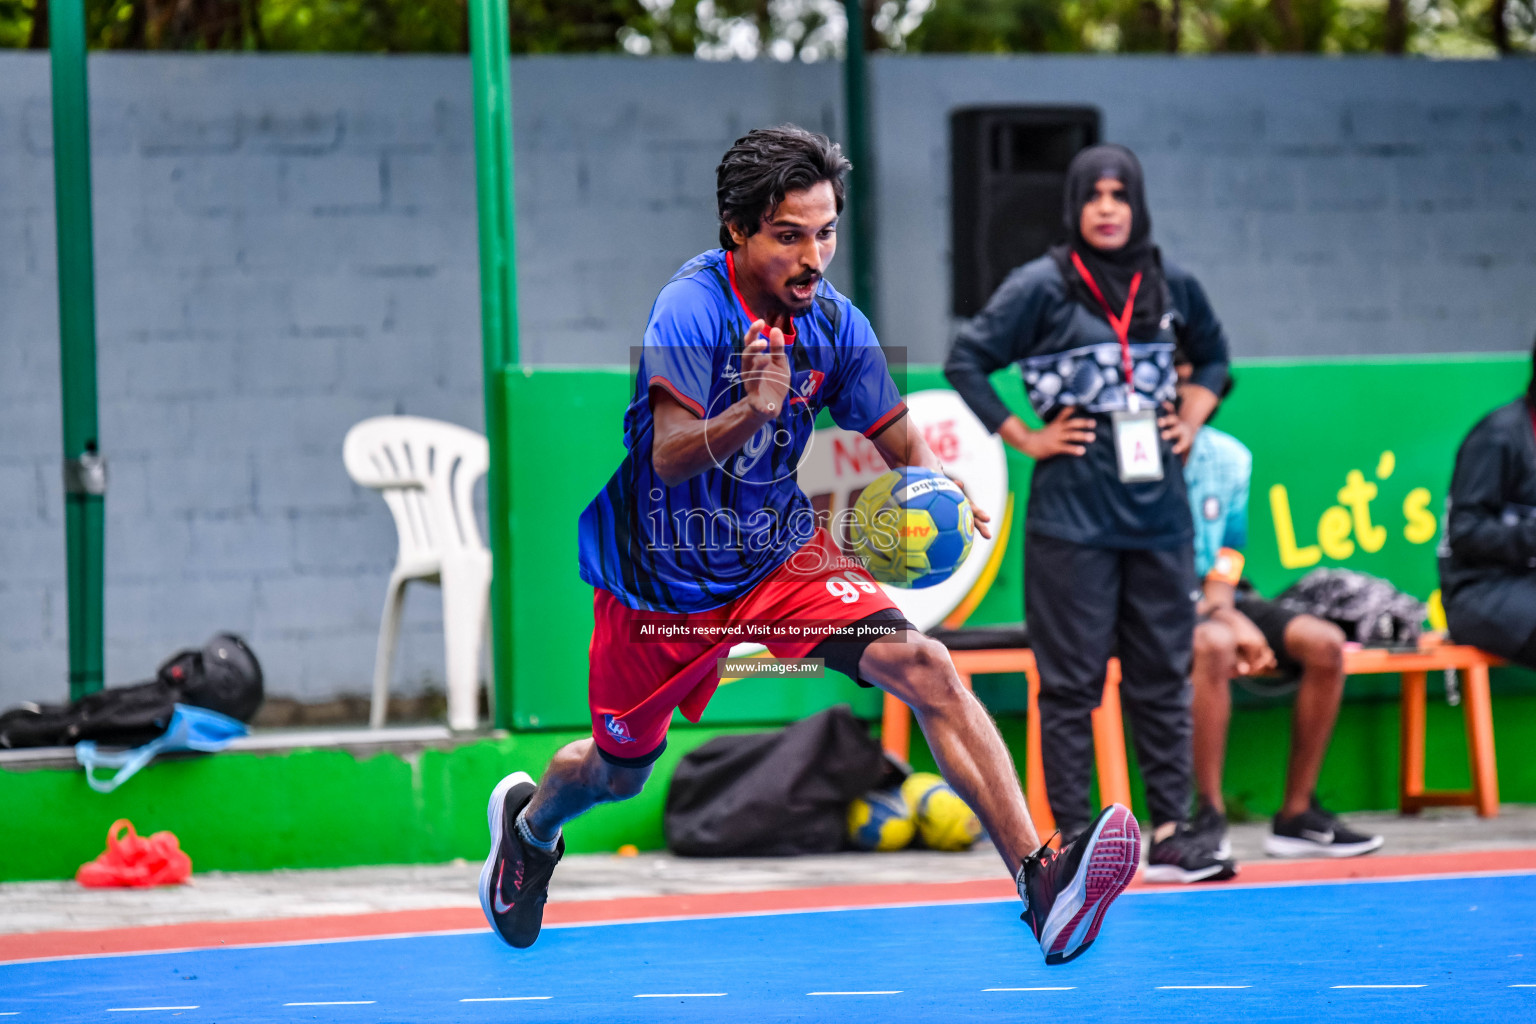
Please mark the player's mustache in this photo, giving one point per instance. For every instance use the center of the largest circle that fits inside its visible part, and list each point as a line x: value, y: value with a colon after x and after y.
x: 809, y: 277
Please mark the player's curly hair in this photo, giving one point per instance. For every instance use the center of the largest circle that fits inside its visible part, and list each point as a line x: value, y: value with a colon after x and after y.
x: 764, y: 166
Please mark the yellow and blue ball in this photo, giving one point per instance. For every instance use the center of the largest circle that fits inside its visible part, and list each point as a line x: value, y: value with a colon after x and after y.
x: 881, y: 820
x: 943, y: 819
x: 912, y: 527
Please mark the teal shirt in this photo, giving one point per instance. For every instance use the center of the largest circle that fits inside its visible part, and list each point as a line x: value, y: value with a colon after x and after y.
x: 1217, y: 476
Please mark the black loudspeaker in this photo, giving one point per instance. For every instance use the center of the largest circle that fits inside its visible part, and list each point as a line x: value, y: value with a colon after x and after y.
x: 1007, y: 169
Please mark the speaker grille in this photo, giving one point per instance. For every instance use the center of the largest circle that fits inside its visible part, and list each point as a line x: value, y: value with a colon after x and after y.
x: 1007, y: 169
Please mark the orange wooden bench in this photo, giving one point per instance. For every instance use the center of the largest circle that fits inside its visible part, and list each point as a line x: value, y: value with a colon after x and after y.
x: 1109, y: 736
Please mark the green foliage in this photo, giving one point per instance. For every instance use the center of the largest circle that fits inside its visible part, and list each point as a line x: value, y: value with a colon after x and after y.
x: 805, y: 29
x: 15, y: 23
x: 995, y: 26
x: 367, y: 26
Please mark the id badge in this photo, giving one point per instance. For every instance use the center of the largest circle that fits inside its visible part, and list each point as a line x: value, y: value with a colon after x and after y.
x: 1137, y: 446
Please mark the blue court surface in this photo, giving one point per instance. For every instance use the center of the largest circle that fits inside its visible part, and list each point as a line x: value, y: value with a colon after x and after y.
x: 1448, y: 949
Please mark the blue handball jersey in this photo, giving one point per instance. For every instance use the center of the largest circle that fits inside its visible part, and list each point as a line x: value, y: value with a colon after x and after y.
x: 1217, y: 476
x: 708, y: 540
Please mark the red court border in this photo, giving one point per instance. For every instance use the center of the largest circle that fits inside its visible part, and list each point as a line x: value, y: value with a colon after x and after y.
x: 27, y: 946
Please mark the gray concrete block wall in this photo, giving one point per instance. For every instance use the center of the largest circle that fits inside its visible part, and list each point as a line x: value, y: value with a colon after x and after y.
x: 1330, y: 207
x: 261, y: 287
x: 287, y: 245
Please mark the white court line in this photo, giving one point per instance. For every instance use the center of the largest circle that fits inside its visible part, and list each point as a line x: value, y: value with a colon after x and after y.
x: 1376, y: 986
x: 879, y: 992
x: 1522, y: 986
x: 679, y: 995
x: 1180, y: 988
x: 12, y: 1013
x: 504, y: 999
x: 337, y: 1002
x: 145, y: 1009
x: 1038, y: 988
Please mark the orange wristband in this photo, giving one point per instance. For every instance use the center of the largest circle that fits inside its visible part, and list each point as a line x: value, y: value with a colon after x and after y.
x: 1228, y: 567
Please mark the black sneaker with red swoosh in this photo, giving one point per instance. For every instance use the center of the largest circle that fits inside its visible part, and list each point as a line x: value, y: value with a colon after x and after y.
x: 514, y: 883
x: 1066, y: 893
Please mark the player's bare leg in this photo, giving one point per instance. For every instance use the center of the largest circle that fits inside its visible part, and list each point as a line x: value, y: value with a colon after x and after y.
x: 525, y: 819
x: 965, y: 742
x: 577, y: 780
x: 1065, y: 894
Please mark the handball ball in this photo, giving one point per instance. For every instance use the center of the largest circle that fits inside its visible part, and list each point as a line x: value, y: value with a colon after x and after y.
x: 881, y: 820
x: 912, y: 527
x: 943, y: 819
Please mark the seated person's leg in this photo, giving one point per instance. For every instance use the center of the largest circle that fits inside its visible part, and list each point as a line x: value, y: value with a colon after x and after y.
x: 1215, y: 662
x: 1318, y: 647
x: 1526, y: 655
x: 1303, y: 828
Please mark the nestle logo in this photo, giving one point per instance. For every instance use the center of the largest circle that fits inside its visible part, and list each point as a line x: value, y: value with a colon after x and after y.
x: 617, y: 729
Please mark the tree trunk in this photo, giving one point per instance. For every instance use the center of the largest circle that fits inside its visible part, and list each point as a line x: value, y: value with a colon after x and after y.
x: 1501, y: 28
x: 250, y: 15
x: 1290, y: 28
x: 38, y: 39
x: 136, y: 35
x: 1397, y: 26
x: 764, y: 18
x: 1175, y: 25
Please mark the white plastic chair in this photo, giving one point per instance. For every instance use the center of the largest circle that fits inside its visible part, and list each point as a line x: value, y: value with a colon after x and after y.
x: 426, y: 472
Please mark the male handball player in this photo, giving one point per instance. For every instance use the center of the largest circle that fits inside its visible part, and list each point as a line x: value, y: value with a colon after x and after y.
x: 703, y: 530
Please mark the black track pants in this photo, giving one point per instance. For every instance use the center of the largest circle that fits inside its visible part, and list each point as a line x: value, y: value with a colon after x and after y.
x: 1082, y: 605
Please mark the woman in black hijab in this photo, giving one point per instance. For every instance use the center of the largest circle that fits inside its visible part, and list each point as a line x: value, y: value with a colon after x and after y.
x: 1108, y: 557
x: 1118, y: 251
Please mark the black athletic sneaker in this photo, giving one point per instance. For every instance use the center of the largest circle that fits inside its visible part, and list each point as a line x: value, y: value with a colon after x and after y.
x: 1316, y: 832
x: 1066, y: 893
x: 514, y: 883
x: 1211, y: 826
x: 1186, y: 856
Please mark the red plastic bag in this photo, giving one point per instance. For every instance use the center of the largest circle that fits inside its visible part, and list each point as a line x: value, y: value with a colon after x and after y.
x: 132, y: 860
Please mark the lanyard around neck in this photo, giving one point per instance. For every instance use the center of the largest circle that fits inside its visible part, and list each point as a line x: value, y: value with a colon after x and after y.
x: 1121, y: 324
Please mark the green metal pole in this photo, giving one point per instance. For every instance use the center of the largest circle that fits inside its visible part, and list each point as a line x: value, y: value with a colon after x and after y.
x: 85, y: 476
x: 490, y: 63
x: 861, y: 184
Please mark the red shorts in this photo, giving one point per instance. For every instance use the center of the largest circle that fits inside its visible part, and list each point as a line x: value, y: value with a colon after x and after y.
x: 645, y: 664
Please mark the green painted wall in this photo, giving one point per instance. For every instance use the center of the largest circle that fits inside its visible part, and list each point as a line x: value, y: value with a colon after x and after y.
x: 310, y: 808
x: 1309, y: 424
x: 1312, y: 427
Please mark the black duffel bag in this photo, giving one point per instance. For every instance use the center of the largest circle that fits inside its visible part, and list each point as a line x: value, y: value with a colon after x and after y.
x: 223, y: 676
x: 774, y: 793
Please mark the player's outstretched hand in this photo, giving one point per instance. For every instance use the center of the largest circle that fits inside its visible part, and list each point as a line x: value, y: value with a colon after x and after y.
x: 983, y: 520
x: 765, y: 369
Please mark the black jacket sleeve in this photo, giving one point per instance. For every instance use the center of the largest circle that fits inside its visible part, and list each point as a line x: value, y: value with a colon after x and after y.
x: 1203, y: 340
x: 1483, y: 484
x: 1002, y: 333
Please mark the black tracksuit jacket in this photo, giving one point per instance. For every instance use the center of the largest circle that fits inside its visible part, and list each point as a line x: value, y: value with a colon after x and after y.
x: 1488, y: 553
